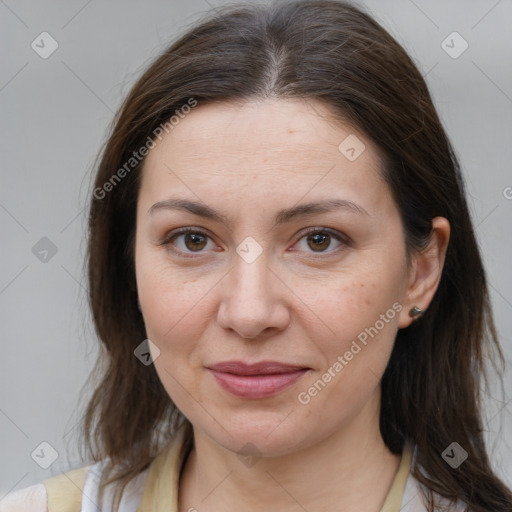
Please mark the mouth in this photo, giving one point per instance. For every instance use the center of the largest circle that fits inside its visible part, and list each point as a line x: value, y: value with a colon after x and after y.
x: 259, y: 380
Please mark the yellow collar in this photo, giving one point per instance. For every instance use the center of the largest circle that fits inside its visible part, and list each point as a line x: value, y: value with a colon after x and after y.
x: 395, y: 495
x: 161, y: 487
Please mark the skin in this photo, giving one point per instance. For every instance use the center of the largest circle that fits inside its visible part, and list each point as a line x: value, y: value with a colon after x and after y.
x: 296, y: 303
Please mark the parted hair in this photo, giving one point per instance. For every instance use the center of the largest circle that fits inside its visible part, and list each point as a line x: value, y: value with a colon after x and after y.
x: 336, y: 53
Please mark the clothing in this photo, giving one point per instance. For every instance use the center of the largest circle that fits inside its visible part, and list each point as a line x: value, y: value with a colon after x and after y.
x: 156, y: 488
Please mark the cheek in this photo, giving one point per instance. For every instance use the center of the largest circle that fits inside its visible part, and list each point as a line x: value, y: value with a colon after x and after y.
x: 356, y: 303
x: 361, y: 318
x: 171, y: 303
x: 174, y: 315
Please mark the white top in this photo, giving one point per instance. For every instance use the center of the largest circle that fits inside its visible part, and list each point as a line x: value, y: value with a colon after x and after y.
x: 34, y: 498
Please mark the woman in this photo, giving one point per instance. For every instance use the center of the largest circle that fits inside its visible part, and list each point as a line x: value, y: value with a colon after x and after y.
x: 286, y: 283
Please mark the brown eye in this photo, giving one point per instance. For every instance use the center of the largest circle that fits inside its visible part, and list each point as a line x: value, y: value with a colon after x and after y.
x: 319, y: 241
x: 187, y: 241
x: 194, y: 241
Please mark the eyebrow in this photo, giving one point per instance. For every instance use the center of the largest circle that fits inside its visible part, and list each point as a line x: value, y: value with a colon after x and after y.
x: 283, y: 216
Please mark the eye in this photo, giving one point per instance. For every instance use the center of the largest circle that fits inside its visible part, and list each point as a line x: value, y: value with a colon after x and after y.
x: 320, y: 239
x: 189, y: 240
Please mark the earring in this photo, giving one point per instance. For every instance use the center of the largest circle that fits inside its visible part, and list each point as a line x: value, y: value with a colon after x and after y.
x: 415, y: 312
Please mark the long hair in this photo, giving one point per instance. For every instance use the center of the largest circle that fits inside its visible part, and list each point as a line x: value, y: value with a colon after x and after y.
x: 333, y: 52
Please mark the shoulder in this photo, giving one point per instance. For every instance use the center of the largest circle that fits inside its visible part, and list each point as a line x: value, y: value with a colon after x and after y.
x: 83, y: 489
x: 413, y: 499
x: 59, y: 493
x: 97, y: 496
x: 29, y: 499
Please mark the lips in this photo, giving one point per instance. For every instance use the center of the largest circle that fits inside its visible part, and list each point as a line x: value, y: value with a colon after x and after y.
x: 258, y: 380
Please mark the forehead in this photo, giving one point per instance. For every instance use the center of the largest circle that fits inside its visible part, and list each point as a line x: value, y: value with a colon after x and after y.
x: 292, y: 147
x: 254, y: 126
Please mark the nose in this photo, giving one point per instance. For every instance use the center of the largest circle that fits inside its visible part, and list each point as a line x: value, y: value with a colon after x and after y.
x: 253, y: 302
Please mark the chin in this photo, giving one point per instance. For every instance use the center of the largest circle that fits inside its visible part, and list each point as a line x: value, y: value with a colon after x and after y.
x: 267, y: 435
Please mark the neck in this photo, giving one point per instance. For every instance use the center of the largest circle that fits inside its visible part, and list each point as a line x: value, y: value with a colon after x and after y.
x: 336, y: 474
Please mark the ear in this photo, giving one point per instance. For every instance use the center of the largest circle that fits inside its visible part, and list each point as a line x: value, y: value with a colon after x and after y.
x: 425, y: 271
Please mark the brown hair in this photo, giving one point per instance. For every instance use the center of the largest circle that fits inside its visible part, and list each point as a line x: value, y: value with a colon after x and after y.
x: 333, y: 52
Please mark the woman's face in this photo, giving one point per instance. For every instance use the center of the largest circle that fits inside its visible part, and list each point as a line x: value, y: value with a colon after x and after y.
x: 249, y: 283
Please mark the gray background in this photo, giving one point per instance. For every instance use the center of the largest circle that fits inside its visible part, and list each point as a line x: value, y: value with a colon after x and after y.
x: 54, y: 116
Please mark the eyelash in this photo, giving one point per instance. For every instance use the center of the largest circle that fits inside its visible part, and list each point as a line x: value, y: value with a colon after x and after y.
x: 343, y: 239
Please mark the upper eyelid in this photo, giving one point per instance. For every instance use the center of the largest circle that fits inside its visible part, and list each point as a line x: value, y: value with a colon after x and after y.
x: 302, y: 232
x: 340, y: 236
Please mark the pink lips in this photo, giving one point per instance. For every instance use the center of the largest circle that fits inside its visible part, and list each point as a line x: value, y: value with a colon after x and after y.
x: 258, y: 380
